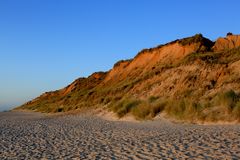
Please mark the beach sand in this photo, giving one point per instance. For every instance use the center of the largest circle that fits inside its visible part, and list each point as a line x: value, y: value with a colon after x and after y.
x: 36, y: 136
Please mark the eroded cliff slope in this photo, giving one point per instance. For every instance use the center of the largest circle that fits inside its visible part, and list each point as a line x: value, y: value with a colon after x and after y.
x: 191, y: 78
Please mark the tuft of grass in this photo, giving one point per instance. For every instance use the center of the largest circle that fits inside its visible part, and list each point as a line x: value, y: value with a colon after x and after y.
x: 184, y: 109
x: 174, y: 108
x: 152, y: 99
x: 198, y: 38
x: 158, y: 107
x: 142, y: 111
x: 236, y: 111
x: 124, y: 106
x: 227, y: 100
x: 121, y: 61
x: 148, y: 110
x: 189, y: 40
x: 208, y: 57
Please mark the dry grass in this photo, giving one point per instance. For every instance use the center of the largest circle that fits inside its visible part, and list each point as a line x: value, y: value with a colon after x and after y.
x: 236, y: 111
x: 124, y: 106
x: 142, y: 111
x: 225, y: 106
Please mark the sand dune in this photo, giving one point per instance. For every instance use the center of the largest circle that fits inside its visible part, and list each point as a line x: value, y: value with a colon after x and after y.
x: 35, y: 136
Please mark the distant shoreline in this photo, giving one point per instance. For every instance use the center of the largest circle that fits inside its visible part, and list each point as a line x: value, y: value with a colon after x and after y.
x: 6, y: 109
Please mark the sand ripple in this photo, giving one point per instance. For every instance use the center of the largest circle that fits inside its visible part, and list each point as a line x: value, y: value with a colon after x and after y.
x: 34, y: 136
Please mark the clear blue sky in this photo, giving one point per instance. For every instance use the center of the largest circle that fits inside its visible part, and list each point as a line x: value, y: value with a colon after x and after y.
x: 46, y: 44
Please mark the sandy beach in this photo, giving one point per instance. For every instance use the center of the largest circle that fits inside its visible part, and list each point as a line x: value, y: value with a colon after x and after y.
x: 36, y: 136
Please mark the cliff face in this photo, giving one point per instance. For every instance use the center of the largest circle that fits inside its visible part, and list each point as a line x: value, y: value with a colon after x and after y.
x: 193, y: 67
x: 229, y: 42
x: 167, y: 54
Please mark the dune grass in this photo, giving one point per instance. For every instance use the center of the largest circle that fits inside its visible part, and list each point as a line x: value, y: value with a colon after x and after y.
x: 124, y: 106
x: 140, y: 109
x: 224, y: 106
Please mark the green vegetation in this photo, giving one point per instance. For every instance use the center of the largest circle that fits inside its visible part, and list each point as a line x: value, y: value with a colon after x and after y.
x: 227, y: 100
x: 236, y: 111
x: 124, y: 106
x: 224, y: 106
x: 209, y: 57
x: 223, y: 57
x: 139, y: 108
x: 142, y: 111
x: 148, y: 109
x: 195, y: 39
x: 198, y: 38
x: 121, y: 61
x: 152, y: 99
x: 184, y: 109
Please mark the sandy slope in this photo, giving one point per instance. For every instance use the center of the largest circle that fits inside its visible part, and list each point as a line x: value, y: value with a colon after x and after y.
x: 35, y: 136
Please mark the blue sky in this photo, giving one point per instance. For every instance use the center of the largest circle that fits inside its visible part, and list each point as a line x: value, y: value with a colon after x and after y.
x: 46, y: 44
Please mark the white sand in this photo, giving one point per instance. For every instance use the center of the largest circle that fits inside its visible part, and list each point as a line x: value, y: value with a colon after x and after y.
x: 35, y: 136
